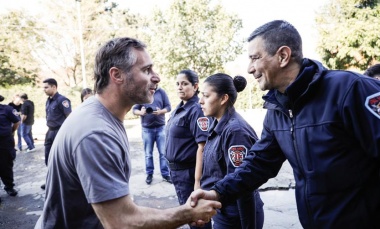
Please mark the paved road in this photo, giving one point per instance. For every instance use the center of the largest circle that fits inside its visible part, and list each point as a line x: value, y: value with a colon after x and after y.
x: 23, y: 210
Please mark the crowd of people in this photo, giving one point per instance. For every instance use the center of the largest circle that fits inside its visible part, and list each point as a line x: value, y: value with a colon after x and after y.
x: 324, y: 122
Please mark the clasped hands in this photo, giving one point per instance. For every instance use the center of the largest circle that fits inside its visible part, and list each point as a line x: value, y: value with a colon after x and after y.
x: 205, y: 205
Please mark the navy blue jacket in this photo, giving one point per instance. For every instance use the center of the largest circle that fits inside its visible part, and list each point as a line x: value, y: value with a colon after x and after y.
x: 161, y: 101
x: 329, y: 131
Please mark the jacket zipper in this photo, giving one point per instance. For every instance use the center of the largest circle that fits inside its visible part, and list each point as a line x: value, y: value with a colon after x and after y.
x: 299, y: 162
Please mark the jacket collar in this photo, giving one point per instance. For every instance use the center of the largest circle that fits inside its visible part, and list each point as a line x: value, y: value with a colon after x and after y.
x: 189, y: 103
x: 310, y: 73
x: 218, y: 127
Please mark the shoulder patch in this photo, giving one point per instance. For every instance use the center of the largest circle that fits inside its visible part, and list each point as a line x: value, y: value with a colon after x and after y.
x: 15, y: 113
x: 203, y: 123
x: 372, y: 103
x: 236, y: 154
x: 66, y: 103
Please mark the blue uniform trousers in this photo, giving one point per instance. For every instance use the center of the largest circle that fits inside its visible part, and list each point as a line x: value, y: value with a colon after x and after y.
x: 50, y: 136
x: 183, y: 181
x: 7, y: 155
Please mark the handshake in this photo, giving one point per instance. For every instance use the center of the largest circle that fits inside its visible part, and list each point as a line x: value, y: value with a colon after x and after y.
x: 204, y: 205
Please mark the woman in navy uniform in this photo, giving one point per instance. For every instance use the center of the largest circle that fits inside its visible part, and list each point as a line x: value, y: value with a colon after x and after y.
x: 9, y: 122
x: 230, y: 137
x: 186, y: 133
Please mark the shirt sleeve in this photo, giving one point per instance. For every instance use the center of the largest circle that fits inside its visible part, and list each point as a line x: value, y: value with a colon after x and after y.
x: 23, y: 109
x: 166, y: 102
x: 65, y: 106
x: 361, y: 114
x: 101, y: 164
x: 236, y: 147
x: 263, y: 162
x: 137, y: 107
x: 199, y: 124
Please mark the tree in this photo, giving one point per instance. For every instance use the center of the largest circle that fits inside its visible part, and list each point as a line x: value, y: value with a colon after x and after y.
x: 17, y: 65
x: 49, y: 41
x: 198, y: 35
x: 100, y: 21
x: 349, y: 34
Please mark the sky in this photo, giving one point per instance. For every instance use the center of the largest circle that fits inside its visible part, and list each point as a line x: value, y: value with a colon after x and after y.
x: 300, y: 13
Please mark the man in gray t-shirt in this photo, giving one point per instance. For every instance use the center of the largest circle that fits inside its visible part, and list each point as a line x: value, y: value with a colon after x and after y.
x: 87, y: 184
x: 97, y: 146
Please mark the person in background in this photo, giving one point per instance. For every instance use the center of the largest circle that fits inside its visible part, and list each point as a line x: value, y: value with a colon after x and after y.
x: 186, y: 134
x: 58, y: 107
x: 230, y: 137
x: 9, y: 122
x: 153, y: 130
x: 16, y: 104
x: 373, y: 71
x: 85, y: 94
x: 90, y: 163
x: 324, y: 122
x: 27, y: 121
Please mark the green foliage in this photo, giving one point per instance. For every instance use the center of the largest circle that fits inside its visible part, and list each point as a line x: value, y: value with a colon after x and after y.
x: 349, y: 34
x: 17, y: 65
x: 48, y: 44
x: 192, y: 34
x: 198, y: 35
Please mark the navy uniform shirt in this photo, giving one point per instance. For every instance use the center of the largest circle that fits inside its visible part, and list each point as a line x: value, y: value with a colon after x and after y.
x: 227, y: 145
x: 57, y: 109
x: 186, y: 127
x: 8, y: 115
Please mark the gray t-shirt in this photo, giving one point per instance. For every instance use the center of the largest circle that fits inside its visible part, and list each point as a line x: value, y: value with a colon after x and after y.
x: 89, y: 163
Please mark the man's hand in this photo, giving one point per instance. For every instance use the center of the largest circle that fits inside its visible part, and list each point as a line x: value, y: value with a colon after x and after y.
x: 202, y: 194
x: 158, y: 111
x: 203, y: 211
x: 143, y: 111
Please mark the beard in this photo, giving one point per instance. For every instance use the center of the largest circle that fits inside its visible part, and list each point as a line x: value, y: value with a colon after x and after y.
x: 139, y: 95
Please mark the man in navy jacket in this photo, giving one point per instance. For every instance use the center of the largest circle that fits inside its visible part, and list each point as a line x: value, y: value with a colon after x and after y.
x: 326, y: 123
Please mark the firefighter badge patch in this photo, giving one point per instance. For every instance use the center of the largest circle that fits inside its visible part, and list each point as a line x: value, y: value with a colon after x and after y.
x: 372, y: 103
x: 15, y: 113
x: 236, y: 154
x: 203, y: 123
x: 66, y: 103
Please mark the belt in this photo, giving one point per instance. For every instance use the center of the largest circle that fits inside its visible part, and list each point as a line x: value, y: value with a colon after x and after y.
x: 180, y: 166
x: 54, y: 128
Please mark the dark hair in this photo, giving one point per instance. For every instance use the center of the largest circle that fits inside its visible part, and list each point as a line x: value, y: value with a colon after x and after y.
x: 85, y: 91
x: 117, y: 53
x: 191, y: 76
x: 51, y: 81
x: 24, y: 96
x: 373, y: 70
x: 1, y: 98
x: 279, y: 33
x: 224, y: 84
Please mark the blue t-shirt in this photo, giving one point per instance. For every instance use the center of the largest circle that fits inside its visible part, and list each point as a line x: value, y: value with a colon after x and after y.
x: 160, y: 101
